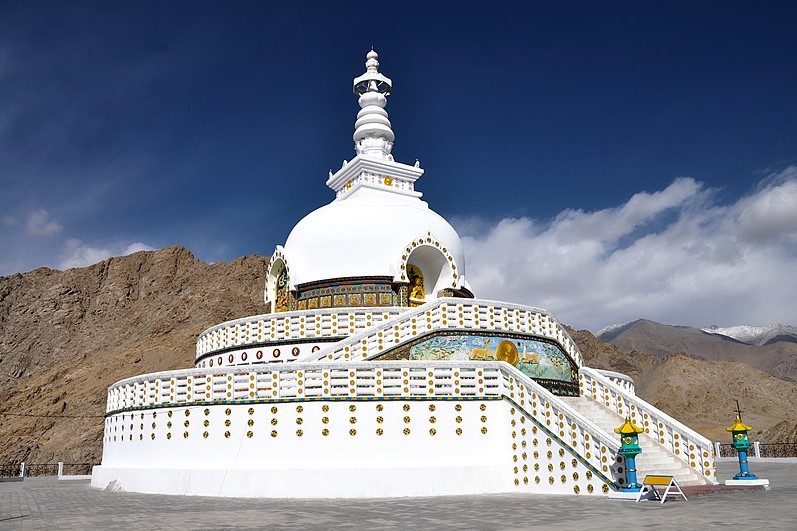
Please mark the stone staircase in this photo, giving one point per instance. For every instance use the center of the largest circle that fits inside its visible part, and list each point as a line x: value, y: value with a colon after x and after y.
x: 654, y: 459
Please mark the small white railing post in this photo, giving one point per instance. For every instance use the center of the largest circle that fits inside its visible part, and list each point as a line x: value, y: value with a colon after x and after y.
x: 60, y: 469
x: 717, y: 449
x: 22, y: 469
x: 757, y: 447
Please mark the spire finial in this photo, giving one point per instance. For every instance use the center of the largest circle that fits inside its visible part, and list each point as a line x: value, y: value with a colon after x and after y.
x: 372, y: 62
x: 373, y: 134
x: 374, y: 168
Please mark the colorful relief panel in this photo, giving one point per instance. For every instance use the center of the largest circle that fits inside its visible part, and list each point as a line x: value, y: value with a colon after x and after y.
x: 338, y: 296
x: 533, y: 357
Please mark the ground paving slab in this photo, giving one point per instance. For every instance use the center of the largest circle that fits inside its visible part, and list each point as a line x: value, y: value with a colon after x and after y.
x: 46, y: 503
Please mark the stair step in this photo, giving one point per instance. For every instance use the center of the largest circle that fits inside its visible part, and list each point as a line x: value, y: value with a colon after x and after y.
x: 662, y: 466
x: 654, y: 459
x: 657, y: 462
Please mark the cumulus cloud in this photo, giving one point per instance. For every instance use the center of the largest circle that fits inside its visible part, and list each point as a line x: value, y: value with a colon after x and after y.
x: 675, y: 256
x: 40, y: 223
x: 76, y: 253
x: 772, y: 212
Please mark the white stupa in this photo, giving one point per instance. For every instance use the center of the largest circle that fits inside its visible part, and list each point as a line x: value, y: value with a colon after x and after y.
x: 375, y: 372
x: 368, y: 230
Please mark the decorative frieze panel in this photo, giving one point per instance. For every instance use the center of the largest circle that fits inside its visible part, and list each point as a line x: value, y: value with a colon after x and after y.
x: 540, y: 359
x: 347, y: 295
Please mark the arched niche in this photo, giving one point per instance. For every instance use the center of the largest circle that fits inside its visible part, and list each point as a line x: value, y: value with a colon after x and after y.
x: 278, y: 295
x: 435, y: 270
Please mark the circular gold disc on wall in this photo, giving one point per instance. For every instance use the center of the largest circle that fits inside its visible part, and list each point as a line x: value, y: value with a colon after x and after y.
x: 507, y: 351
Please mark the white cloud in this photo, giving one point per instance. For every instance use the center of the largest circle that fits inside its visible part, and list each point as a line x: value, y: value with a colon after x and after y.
x: 76, y: 253
x: 674, y: 256
x: 41, y: 224
x: 136, y: 247
x: 772, y: 212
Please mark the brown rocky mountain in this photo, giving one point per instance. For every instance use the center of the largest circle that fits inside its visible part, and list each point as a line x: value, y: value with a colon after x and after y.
x: 700, y: 393
x: 777, y: 358
x: 65, y: 336
x: 783, y: 431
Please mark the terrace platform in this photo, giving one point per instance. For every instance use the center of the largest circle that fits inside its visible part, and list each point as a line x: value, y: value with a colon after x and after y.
x: 47, y: 503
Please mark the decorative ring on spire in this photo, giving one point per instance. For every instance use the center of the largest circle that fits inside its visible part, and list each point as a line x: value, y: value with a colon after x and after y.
x: 373, y: 134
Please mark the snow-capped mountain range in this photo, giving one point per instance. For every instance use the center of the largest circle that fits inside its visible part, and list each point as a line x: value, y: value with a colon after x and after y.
x: 756, y: 335
x: 609, y: 329
x: 751, y: 335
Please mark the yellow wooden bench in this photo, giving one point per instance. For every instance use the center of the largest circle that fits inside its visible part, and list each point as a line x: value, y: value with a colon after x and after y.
x: 652, y: 481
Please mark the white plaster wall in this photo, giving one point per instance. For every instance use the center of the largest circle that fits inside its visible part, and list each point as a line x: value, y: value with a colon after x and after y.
x: 339, y: 464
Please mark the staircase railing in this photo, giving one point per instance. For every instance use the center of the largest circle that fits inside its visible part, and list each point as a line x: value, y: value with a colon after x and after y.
x: 622, y: 380
x: 560, y: 420
x: 448, y: 313
x: 684, y: 443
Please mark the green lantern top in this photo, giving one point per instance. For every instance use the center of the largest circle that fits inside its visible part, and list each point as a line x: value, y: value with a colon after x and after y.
x: 737, y: 426
x: 628, y: 428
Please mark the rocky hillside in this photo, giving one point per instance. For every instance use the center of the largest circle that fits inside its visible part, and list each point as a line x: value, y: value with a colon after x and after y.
x: 776, y: 357
x: 701, y: 393
x: 65, y: 336
x: 783, y: 431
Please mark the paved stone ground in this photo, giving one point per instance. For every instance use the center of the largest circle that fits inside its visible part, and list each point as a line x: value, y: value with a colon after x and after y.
x: 51, y: 504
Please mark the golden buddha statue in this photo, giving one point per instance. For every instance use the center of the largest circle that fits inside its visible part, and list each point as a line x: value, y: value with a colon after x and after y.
x: 417, y: 295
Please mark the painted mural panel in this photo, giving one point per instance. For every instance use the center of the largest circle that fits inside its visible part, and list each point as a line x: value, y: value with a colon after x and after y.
x: 536, y: 359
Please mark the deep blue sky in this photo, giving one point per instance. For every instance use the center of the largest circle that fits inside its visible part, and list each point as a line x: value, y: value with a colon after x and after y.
x: 213, y: 124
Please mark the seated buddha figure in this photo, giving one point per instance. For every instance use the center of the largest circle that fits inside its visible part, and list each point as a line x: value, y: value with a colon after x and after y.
x: 417, y: 295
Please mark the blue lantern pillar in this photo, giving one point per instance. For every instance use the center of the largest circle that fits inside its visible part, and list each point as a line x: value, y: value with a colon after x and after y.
x: 741, y: 443
x: 629, y: 448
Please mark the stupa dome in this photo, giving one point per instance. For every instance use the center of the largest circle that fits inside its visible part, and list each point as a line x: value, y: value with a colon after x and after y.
x: 367, y: 234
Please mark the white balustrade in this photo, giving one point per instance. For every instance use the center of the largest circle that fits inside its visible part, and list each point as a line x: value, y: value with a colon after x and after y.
x: 356, y: 380
x: 622, y: 380
x: 451, y: 313
x: 372, y: 330
x: 290, y: 326
x: 564, y: 422
x: 684, y: 443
